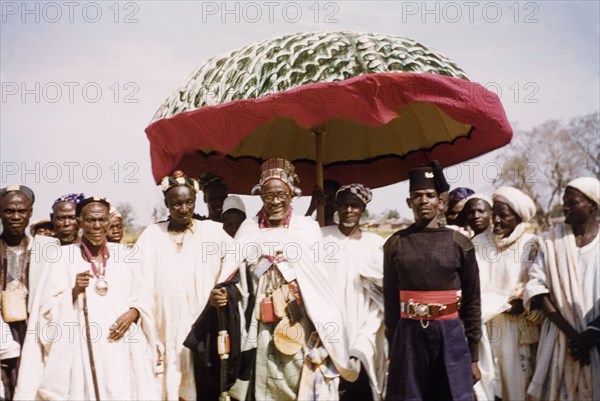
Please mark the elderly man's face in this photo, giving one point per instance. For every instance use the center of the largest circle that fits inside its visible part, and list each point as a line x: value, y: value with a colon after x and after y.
x: 181, y: 202
x: 478, y: 215
x: 505, y: 219
x: 65, y: 222
x: 276, y: 198
x: 15, y: 210
x: 94, y: 223
x: 349, y: 208
x: 577, y: 208
x: 115, y: 229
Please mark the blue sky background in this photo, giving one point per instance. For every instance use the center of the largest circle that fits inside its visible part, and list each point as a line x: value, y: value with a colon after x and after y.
x: 549, y: 50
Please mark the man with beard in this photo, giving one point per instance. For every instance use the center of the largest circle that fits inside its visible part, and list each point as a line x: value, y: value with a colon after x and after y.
x: 181, y: 259
x: 432, y: 303
x: 64, y: 220
x: 293, y: 328
x: 95, y: 287
x: 356, y: 260
x: 22, y: 269
x: 515, y: 330
x: 565, y: 285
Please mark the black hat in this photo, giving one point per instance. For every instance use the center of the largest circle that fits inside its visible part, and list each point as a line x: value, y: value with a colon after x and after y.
x: 421, y: 178
x: 441, y: 185
x: 89, y: 200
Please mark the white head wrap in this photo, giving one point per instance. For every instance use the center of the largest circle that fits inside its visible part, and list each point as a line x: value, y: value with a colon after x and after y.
x: 589, y: 186
x: 482, y: 197
x: 233, y: 202
x: 517, y: 200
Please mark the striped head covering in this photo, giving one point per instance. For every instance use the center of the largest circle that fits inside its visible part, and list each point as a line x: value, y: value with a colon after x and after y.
x: 589, y: 186
x: 178, y: 179
x: 18, y: 188
x: 73, y: 198
x: 278, y: 169
x: 362, y: 192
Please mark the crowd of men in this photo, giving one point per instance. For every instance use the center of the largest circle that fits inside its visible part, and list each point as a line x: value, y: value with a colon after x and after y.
x: 465, y: 303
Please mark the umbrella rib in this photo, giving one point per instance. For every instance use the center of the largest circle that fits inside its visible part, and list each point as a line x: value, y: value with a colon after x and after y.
x: 441, y: 117
x: 420, y: 125
x: 398, y: 137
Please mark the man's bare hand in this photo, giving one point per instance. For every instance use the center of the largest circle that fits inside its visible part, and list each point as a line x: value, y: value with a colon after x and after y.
x: 120, y: 327
x: 82, y: 281
x: 218, y: 297
x: 475, y: 372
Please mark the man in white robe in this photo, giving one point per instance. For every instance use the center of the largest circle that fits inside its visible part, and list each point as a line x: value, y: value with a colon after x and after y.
x: 356, y: 258
x: 565, y: 285
x: 478, y: 217
x: 181, y: 260
x: 104, y: 278
x: 23, y: 263
x: 300, y: 342
x: 514, y: 333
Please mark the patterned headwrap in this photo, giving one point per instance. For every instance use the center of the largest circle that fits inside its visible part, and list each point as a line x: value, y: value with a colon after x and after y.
x: 83, y: 203
x: 363, y: 193
x: 278, y: 169
x: 73, y: 198
x: 207, y: 179
x: 458, y: 194
x: 179, y: 179
x: 20, y: 188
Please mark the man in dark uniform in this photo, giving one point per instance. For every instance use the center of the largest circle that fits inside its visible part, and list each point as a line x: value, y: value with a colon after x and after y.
x: 432, y: 303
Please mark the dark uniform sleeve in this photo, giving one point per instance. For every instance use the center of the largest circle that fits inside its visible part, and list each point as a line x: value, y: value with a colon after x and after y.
x: 470, y: 307
x: 391, y: 298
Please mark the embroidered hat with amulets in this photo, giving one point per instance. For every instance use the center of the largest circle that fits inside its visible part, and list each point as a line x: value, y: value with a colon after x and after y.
x: 278, y: 169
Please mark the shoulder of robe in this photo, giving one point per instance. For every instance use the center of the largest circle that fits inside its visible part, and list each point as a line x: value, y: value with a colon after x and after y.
x: 462, y: 240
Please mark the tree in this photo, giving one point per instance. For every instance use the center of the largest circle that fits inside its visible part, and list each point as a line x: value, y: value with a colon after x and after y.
x: 392, y: 214
x: 159, y: 213
x: 585, y: 133
x: 126, y: 210
x: 542, y: 160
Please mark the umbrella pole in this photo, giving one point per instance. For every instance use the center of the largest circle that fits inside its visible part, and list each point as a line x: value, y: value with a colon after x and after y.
x: 89, y: 344
x: 319, y: 166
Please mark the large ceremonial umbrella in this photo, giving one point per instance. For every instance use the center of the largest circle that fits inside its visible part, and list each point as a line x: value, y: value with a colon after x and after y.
x: 366, y: 107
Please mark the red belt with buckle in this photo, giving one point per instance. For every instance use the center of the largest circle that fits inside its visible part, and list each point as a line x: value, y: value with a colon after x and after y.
x: 429, y: 305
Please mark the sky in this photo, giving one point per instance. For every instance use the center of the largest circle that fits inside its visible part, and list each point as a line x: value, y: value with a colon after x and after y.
x: 80, y: 81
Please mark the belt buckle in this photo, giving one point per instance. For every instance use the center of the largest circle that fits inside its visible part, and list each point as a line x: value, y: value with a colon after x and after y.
x: 416, y: 309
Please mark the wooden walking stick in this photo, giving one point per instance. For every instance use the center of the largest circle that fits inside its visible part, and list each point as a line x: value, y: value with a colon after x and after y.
x: 89, y: 343
x: 223, y: 351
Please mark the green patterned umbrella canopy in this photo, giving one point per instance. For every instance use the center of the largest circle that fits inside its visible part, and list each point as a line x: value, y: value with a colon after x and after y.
x: 289, y: 61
